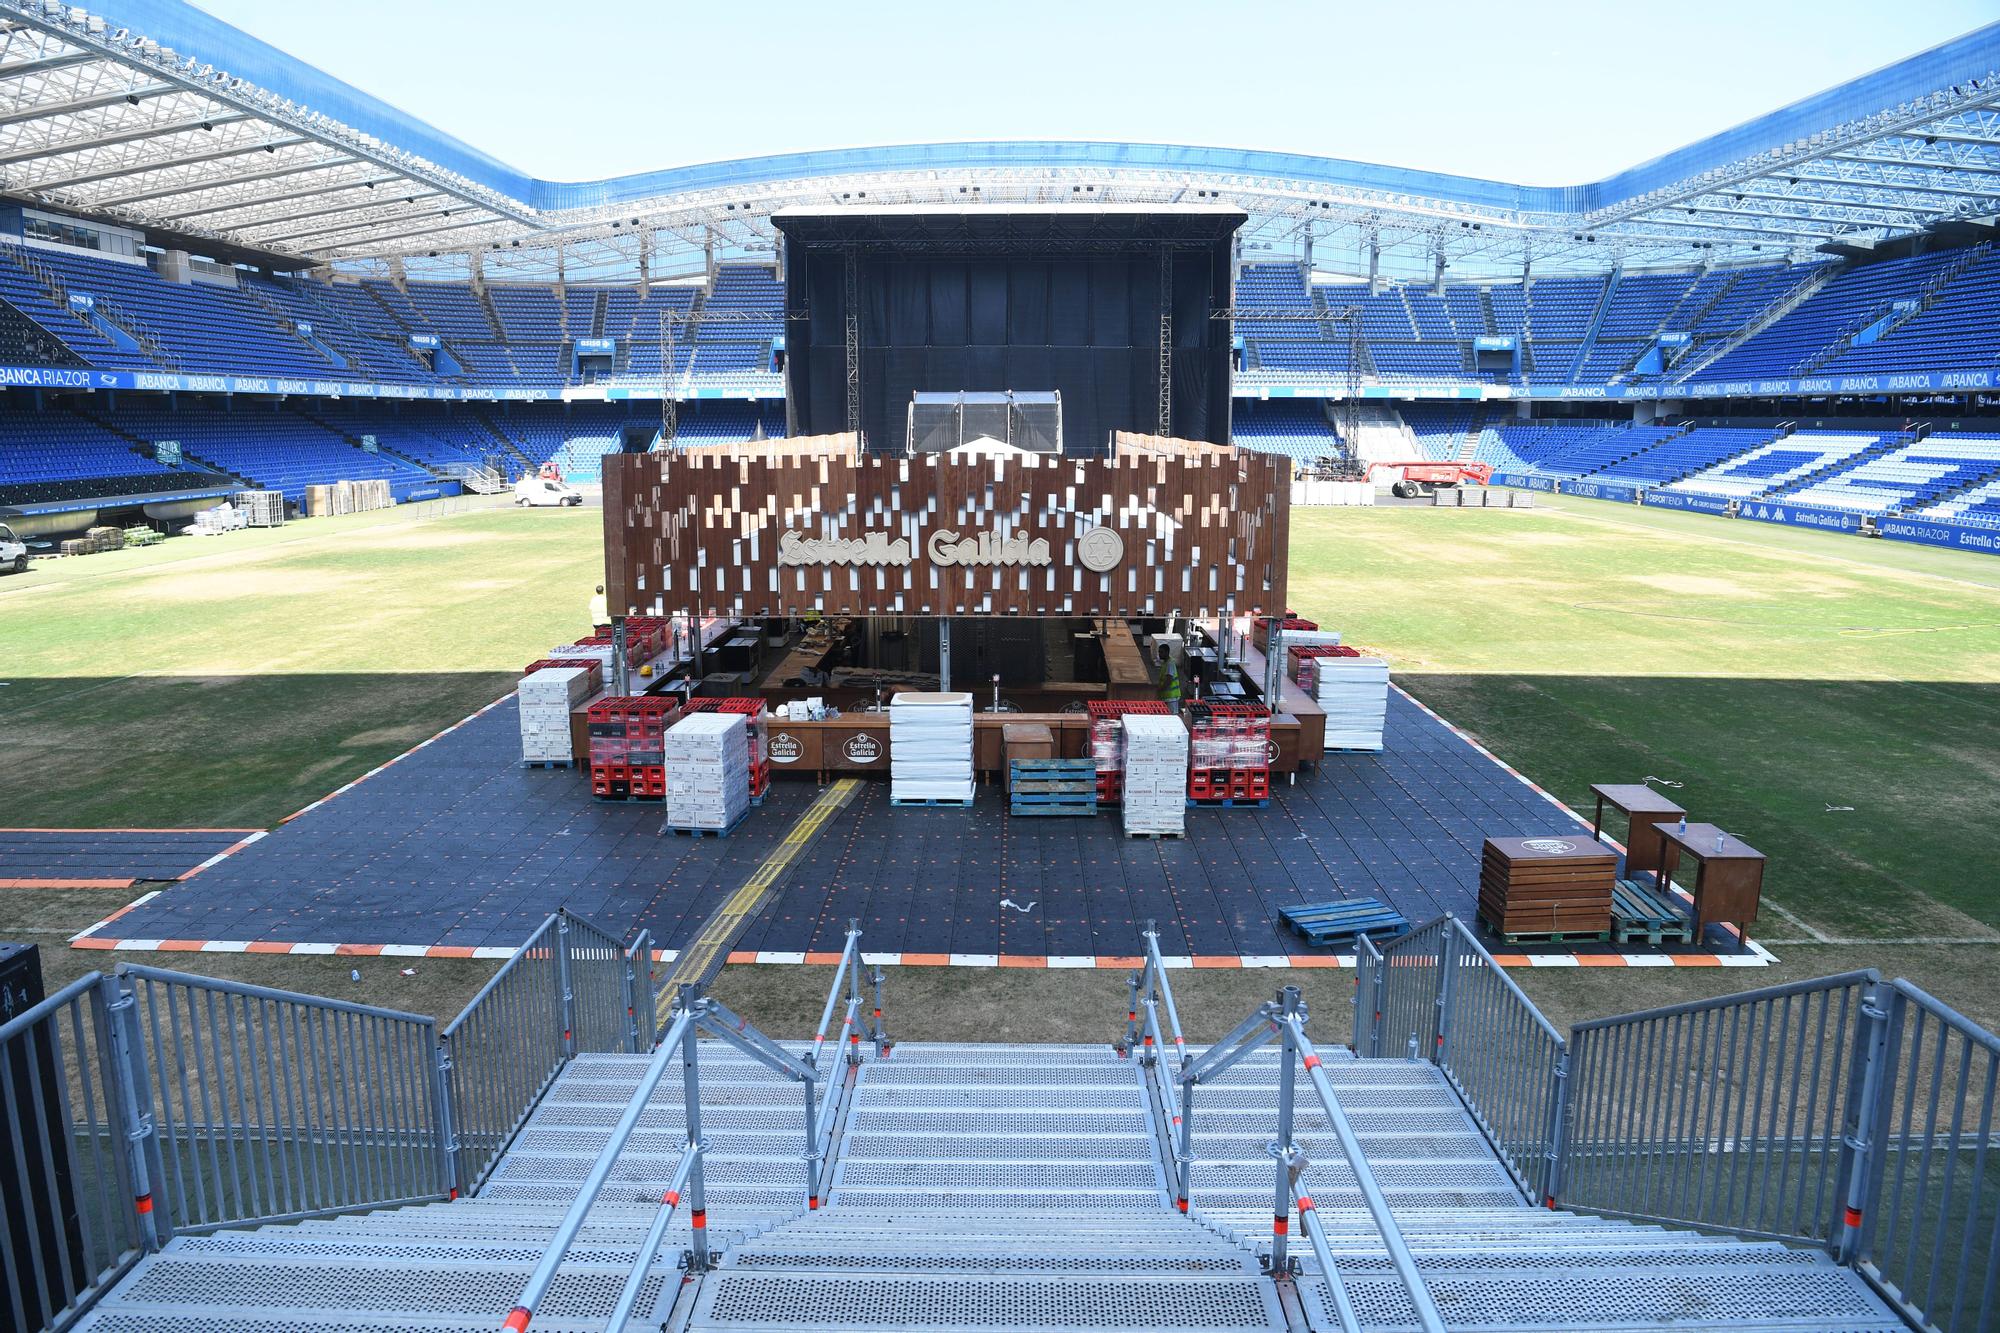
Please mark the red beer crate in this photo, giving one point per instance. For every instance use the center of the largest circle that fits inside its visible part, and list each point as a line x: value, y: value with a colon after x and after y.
x: 1231, y: 753
x: 1307, y: 652
x: 626, y: 747
x: 550, y: 663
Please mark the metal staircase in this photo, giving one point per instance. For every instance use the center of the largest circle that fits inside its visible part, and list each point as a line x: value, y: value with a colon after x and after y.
x: 1261, y: 1183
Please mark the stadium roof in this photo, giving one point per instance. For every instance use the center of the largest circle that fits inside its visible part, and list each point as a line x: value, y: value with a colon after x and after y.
x: 154, y: 114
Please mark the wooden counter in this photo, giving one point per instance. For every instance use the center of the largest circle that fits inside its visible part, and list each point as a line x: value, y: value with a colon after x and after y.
x: 1124, y: 664
x: 859, y: 742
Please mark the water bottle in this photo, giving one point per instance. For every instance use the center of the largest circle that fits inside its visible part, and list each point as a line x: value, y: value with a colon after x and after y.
x: 1718, y: 842
x: 1684, y: 825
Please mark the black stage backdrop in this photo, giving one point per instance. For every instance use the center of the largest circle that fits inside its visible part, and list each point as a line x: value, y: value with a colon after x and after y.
x: 997, y: 299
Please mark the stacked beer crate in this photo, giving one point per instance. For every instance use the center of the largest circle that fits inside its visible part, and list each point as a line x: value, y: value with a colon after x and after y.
x: 1288, y: 624
x: 757, y: 719
x: 708, y: 772
x: 1154, y: 768
x: 263, y: 509
x: 1302, y: 655
x: 1231, y: 754
x: 548, y: 693
x: 627, y: 747
x: 1107, y: 741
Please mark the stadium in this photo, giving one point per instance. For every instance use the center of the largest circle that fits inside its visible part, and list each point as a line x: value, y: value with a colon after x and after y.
x: 1010, y: 734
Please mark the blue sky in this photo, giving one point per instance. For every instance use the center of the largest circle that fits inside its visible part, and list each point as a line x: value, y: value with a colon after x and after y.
x: 1544, y: 92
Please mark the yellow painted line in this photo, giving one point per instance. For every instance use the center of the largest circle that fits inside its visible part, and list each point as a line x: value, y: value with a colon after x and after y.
x: 711, y: 943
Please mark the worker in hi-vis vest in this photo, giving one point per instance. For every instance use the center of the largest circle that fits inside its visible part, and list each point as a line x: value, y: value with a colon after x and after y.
x: 1170, y: 683
x: 600, y: 609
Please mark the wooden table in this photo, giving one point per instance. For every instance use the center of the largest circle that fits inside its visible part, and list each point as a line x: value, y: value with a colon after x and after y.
x: 1644, y: 810
x: 1728, y: 875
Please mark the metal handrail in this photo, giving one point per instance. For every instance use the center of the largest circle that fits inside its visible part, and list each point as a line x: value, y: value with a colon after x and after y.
x: 1405, y: 1263
x: 78, y: 1158
x: 1284, y: 1018
x: 501, y: 1054
x: 1439, y: 995
x: 559, y: 1245
x: 1148, y: 990
x: 849, y: 970
x: 271, y: 1106
x: 693, y: 1013
x: 670, y: 1202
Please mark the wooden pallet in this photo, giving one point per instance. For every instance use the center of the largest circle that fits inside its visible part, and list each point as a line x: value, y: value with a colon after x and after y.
x: 686, y: 832
x: 1547, y: 936
x: 1331, y: 923
x: 1640, y: 915
x: 1081, y: 787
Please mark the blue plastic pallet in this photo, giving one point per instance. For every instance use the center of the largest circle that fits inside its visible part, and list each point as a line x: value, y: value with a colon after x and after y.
x: 1228, y: 803
x: 548, y: 763
x: 1330, y: 923
x: 950, y: 803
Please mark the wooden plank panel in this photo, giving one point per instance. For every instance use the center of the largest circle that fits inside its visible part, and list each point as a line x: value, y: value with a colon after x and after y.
x: 1198, y: 532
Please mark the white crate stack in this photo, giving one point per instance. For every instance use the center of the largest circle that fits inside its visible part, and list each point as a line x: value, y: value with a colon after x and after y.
x: 264, y: 509
x: 547, y: 697
x: 1154, y: 749
x: 930, y: 747
x: 1353, y: 692
x: 708, y: 771
x: 598, y: 652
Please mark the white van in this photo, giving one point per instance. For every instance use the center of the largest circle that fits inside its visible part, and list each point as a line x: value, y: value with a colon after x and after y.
x: 13, y: 552
x: 538, y: 492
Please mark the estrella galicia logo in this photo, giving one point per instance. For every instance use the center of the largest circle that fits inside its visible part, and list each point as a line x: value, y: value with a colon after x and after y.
x: 861, y: 748
x: 1549, y: 846
x: 784, y: 748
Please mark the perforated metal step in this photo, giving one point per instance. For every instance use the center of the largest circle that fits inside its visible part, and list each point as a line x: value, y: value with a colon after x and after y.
x: 735, y: 1300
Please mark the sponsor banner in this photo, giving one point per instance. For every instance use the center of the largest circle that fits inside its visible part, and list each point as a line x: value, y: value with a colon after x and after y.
x: 1701, y: 504
x: 59, y: 377
x: 1601, y: 490
x: 1932, y: 532
x: 1814, y: 386
x: 596, y: 346
x: 1489, y: 342
x: 1798, y: 516
x: 1525, y: 481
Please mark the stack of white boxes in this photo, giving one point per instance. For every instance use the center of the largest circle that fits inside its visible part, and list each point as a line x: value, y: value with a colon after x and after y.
x: 547, y: 698
x: 599, y: 652
x: 1353, y: 692
x: 1155, y: 755
x: 930, y: 747
x: 708, y: 771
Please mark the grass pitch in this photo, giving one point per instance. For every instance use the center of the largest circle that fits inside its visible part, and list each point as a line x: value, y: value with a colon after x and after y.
x: 1775, y: 673
x: 227, y: 681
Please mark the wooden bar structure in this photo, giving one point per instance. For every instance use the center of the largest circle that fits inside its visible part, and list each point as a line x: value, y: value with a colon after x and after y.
x: 753, y: 530
x: 816, y: 530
